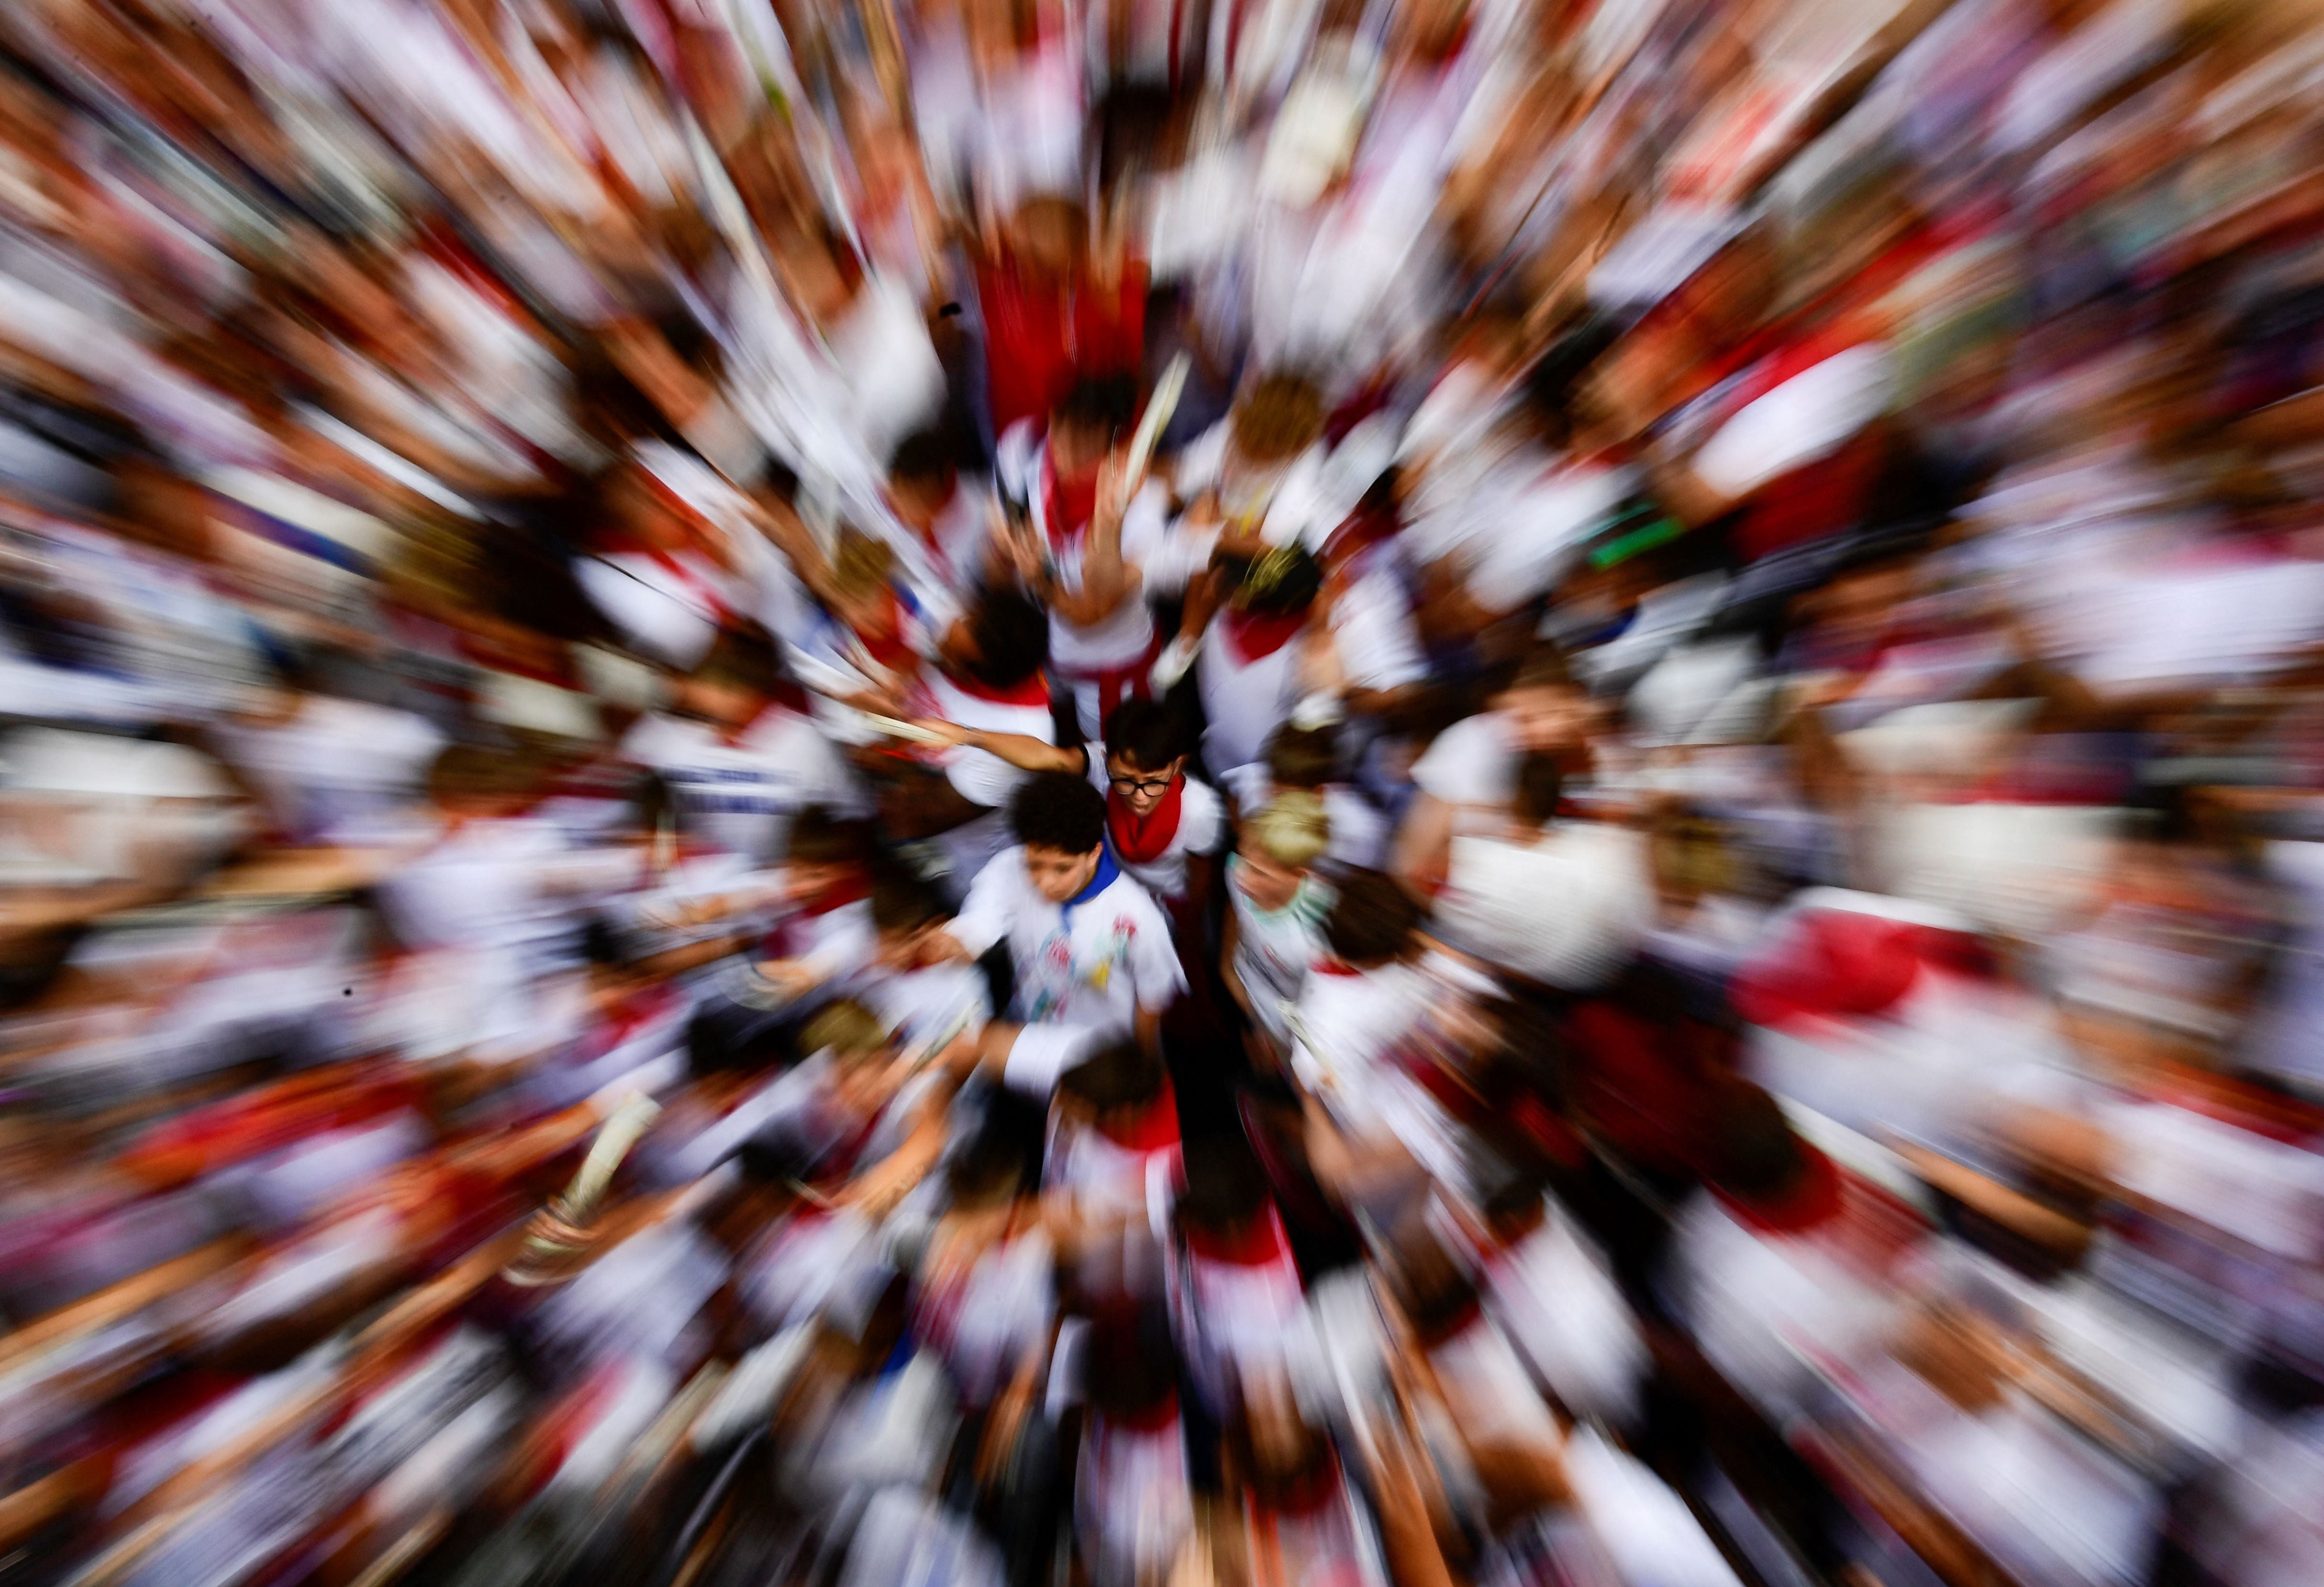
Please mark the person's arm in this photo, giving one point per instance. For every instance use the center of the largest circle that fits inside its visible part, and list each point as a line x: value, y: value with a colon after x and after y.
x: 1423, y: 845
x: 1107, y: 580
x: 1149, y: 1028
x: 1020, y: 750
x: 1231, y: 939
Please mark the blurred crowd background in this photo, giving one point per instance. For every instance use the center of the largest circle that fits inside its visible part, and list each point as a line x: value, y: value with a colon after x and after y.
x: 1275, y: 793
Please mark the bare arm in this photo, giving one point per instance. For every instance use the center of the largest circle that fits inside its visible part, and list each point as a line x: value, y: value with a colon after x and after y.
x: 1020, y: 750
x: 1423, y: 843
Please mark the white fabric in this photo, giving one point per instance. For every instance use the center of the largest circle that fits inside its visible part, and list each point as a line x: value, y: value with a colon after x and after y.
x: 1087, y: 971
x: 741, y: 797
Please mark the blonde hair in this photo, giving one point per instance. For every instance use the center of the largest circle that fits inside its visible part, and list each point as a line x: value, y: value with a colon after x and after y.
x: 861, y: 563
x: 846, y: 1026
x: 1293, y: 830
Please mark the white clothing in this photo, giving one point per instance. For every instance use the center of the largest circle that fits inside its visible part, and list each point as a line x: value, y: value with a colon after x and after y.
x: 1201, y: 829
x: 668, y: 608
x: 1474, y: 761
x: 741, y: 797
x: 1566, y: 910
x: 1275, y: 949
x: 1085, y: 970
x: 334, y: 761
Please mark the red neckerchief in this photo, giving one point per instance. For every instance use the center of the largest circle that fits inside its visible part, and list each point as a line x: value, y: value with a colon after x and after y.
x: 1255, y: 1245
x: 1066, y: 509
x: 1034, y: 690
x: 1141, y: 840
x: 1253, y: 636
x: 1813, y: 1200
x: 1154, y: 1128
x: 852, y: 889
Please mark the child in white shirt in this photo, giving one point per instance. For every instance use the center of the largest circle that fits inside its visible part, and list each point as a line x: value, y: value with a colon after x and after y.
x: 1093, y: 953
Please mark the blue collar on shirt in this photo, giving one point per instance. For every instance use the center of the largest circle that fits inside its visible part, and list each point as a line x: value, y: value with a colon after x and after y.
x: 1101, y: 878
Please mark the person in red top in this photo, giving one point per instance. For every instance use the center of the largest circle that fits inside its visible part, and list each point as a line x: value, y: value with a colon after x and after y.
x: 1054, y: 313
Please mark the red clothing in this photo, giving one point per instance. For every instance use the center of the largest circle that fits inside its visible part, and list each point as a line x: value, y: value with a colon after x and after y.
x: 1039, y: 339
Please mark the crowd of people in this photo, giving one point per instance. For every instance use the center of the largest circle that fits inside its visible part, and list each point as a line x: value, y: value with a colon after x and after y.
x: 1227, y: 793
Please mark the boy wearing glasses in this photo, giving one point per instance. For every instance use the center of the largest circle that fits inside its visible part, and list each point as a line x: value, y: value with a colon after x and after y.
x: 1165, y: 828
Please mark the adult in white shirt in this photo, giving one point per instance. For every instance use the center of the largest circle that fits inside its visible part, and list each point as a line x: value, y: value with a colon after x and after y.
x: 1093, y: 952
x: 740, y: 764
x: 1091, y: 553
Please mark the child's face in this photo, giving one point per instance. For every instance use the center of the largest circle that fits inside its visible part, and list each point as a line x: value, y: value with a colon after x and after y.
x: 1058, y: 875
x: 1141, y: 788
x: 1546, y: 719
x: 1268, y: 883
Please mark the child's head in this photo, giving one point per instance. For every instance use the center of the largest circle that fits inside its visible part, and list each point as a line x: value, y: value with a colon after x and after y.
x: 1282, y: 581
x: 990, y: 1172
x: 1278, y: 847
x: 1085, y: 427
x: 823, y: 853
x: 1226, y: 1189
x: 733, y: 683
x: 1373, y: 922
x: 1110, y: 1087
x: 922, y: 474
x: 1281, y: 416
x: 1752, y: 1154
x: 906, y: 915
x: 1003, y: 642
x: 1145, y: 752
x: 472, y: 781
x: 1304, y: 757
x: 1545, y: 707
x: 1061, y: 821
x: 860, y: 1047
x: 862, y: 567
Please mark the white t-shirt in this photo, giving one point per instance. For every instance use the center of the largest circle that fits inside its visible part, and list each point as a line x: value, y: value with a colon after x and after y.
x: 1085, y: 969
x: 668, y: 606
x: 979, y: 776
x: 1474, y: 761
x: 335, y: 761
x: 1275, y: 949
x: 741, y: 796
x: 1565, y: 910
x: 1201, y: 828
x: 1245, y: 703
x: 1164, y: 559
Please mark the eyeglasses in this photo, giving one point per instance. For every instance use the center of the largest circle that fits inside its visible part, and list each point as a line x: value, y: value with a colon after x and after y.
x: 1140, y: 785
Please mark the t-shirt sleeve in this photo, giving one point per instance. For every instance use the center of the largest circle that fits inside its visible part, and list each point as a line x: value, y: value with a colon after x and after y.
x: 983, y: 918
x: 1455, y: 768
x: 1377, y: 645
x: 1168, y: 555
x: 1153, y: 963
x: 1043, y: 1052
x: 1206, y: 819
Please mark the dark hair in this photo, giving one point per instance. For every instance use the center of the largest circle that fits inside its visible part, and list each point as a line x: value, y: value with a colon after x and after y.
x: 1436, y: 1295
x: 1010, y: 634
x: 1146, y: 733
x: 1543, y: 667
x: 464, y: 773
x: 1226, y: 1188
x: 1285, y: 579
x: 1540, y: 784
x: 742, y: 657
x: 992, y: 1168
x: 819, y: 838
x: 1373, y: 920
x: 1057, y: 810
x: 1102, y: 403
x: 1303, y: 757
x: 1753, y: 1154
x: 1129, y: 1362
x: 925, y: 455
x: 903, y: 903
x: 1123, y: 1076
